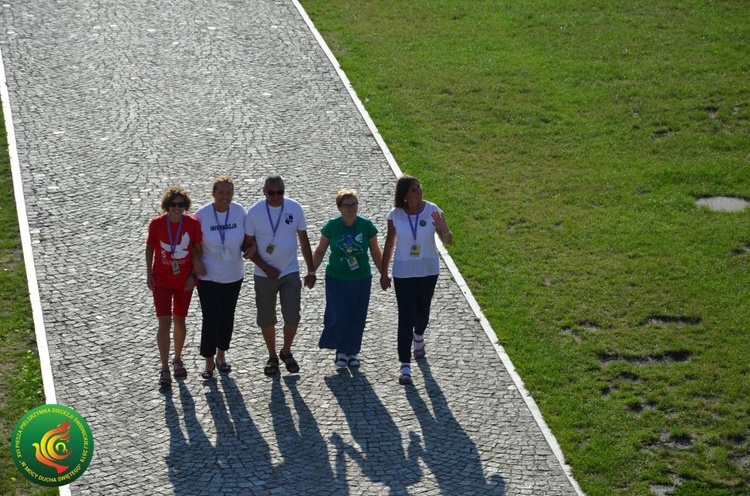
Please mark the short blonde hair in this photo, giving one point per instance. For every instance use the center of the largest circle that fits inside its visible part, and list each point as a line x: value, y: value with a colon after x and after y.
x: 344, y: 194
x: 222, y: 179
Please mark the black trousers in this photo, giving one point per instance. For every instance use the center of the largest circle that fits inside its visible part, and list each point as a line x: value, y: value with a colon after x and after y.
x: 413, y: 298
x: 218, y: 303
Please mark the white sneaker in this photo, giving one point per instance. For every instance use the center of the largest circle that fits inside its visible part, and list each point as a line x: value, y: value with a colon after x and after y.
x: 353, y: 361
x: 341, y: 361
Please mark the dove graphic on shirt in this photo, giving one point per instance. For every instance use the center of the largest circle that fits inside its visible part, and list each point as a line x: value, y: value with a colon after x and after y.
x: 180, y: 250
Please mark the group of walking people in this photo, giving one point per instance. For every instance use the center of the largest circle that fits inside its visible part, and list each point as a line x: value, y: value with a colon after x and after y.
x: 207, y: 251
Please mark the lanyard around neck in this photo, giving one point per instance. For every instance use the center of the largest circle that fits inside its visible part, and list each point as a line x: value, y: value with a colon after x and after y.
x: 220, y: 226
x: 274, y: 227
x: 349, y: 232
x: 416, y: 223
x: 173, y: 242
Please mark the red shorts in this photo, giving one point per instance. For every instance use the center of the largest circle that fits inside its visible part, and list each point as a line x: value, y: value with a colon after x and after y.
x: 163, y: 298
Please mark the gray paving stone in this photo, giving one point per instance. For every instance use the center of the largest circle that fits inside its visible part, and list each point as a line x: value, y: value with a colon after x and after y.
x: 112, y: 102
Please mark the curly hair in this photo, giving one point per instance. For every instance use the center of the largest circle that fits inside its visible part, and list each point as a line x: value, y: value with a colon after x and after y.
x: 170, y: 194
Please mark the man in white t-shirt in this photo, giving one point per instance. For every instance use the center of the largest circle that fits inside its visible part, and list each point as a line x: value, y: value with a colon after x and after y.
x: 275, y: 224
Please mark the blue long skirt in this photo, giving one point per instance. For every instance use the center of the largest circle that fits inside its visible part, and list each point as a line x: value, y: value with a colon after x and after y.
x: 345, y: 315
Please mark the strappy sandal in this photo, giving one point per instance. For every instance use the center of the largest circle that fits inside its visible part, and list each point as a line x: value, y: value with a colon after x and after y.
x: 272, y: 366
x: 404, y: 376
x: 291, y: 364
x: 419, y: 349
x: 340, y: 360
x: 352, y: 361
x: 223, y: 367
x: 164, y: 378
x: 180, y: 372
x: 208, y: 374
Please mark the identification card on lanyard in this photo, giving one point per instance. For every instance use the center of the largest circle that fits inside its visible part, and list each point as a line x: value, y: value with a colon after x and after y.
x: 353, y: 264
x: 225, y: 254
x: 173, y: 244
x: 274, y: 227
x: 414, y: 251
x: 351, y: 260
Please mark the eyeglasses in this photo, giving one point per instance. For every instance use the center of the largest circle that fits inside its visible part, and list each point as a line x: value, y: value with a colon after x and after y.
x: 349, y: 205
x: 177, y: 205
x: 272, y: 192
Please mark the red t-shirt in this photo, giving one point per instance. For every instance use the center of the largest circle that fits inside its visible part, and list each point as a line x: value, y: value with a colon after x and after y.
x: 189, y: 235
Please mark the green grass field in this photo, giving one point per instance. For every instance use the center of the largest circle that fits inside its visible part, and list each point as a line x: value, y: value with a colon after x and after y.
x: 567, y: 143
x: 20, y: 381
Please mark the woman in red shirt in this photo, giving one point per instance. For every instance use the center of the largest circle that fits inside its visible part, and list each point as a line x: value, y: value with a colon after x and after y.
x: 173, y: 259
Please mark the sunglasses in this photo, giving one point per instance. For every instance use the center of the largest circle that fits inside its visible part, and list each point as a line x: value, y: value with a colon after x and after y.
x: 349, y: 205
x: 177, y: 205
x: 271, y: 192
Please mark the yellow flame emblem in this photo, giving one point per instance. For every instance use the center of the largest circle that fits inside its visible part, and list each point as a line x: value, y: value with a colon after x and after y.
x: 53, y: 447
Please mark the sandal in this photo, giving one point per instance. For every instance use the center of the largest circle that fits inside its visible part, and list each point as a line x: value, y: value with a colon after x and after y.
x: 208, y: 374
x: 164, y: 378
x: 353, y: 361
x: 223, y: 367
x: 272, y: 366
x: 341, y: 360
x: 404, y: 376
x: 180, y: 372
x: 291, y: 364
x: 419, y: 351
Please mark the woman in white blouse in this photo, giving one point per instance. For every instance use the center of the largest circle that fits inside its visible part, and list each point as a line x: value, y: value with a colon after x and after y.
x: 223, y: 229
x: 410, y: 241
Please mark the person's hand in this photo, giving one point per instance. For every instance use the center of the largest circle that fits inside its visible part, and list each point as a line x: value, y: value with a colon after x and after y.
x: 438, y: 220
x: 385, y: 281
x: 191, y: 283
x: 198, y: 268
x: 272, y: 272
x: 310, y: 280
x: 150, y: 281
x: 250, y: 252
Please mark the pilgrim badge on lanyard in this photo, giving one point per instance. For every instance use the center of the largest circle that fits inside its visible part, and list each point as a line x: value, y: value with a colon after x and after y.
x: 173, y: 244
x: 225, y: 255
x: 353, y: 264
x: 270, y: 248
x: 414, y: 252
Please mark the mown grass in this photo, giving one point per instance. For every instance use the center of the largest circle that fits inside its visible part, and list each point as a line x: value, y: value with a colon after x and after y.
x: 567, y: 142
x: 20, y: 381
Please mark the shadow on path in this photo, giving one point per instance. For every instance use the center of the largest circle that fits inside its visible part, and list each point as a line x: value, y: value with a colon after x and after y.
x: 302, y: 447
x: 186, y: 447
x: 380, y: 453
x: 443, y: 439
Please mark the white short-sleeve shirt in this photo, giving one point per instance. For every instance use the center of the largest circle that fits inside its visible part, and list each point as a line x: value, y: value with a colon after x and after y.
x: 288, y: 219
x: 427, y: 263
x: 220, y: 267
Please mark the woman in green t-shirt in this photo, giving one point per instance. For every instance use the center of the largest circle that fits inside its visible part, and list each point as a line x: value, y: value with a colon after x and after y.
x: 348, y: 278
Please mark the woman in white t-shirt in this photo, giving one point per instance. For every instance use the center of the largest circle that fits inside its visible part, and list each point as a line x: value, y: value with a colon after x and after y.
x: 223, y: 229
x: 410, y: 240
